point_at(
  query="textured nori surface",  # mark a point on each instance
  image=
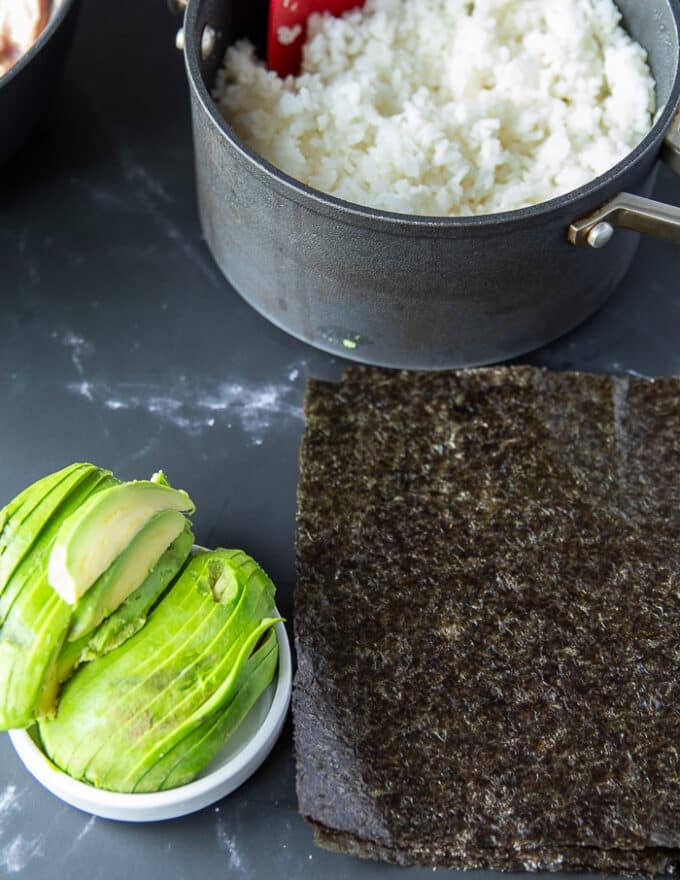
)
(488, 619)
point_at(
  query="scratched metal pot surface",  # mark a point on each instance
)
(398, 290)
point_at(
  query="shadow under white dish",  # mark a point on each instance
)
(239, 758)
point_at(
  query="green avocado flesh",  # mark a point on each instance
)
(34, 620)
(129, 617)
(189, 756)
(95, 535)
(153, 712)
(24, 518)
(136, 664)
(37, 627)
(126, 573)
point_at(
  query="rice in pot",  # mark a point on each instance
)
(448, 107)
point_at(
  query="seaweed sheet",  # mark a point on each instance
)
(488, 619)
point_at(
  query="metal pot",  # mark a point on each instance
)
(27, 86)
(421, 292)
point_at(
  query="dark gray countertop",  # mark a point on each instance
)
(122, 344)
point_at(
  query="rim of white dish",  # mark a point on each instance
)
(178, 801)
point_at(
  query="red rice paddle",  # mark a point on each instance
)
(287, 25)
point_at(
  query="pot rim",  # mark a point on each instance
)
(352, 212)
(58, 12)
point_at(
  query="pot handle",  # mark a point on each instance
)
(633, 212)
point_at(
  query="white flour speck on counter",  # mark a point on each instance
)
(228, 845)
(79, 348)
(84, 831)
(87, 827)
(298, 370)
(190, 402)
(196, 405)
(16, 851)
(8, 799)
(616, 367)
(15, 855)
(256, 406)
(9, 803)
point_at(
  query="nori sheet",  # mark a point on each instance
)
(488, 619)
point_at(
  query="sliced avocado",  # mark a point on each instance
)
(189, 756)
(19, 507)
(34, 620)
(131, 616)
(179, 722)
(160, 479)
(90, 540)
(29, 513)
(70, 658)
(119, 715)
(33, 566)
(127, 572)
(31, 640)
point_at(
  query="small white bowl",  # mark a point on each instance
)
(241, 756)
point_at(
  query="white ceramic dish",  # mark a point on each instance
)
(240, 757)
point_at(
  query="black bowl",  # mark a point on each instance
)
(26, 88)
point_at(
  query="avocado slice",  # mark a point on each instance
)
(30, 643)
(96, 534)
(127, 572)
(131, 615)
(19, 507)
(190, 755)
(34, 620)
(120, 714)
(33, 565)
(25, 517)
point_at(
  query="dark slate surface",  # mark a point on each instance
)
(121, 343)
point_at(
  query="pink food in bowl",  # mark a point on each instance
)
(21, 23)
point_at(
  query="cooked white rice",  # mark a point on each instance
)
(448, 107)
